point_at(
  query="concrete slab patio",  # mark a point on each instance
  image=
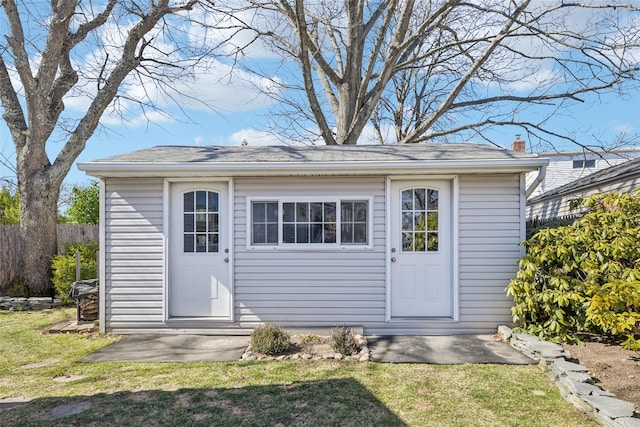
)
(445, 350)
(171, 348)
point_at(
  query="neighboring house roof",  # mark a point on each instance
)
(600, 178)
(272, 160)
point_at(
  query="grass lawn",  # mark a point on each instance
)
(260, 393)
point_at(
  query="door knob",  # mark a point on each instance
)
(393, 259)
(226, 260)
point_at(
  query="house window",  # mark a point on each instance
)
(201, 216)
(583, 164)
(344, 222)
(264, 227)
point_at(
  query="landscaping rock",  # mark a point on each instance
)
(628, 422)
(611, 407)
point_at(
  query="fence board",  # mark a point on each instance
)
(10, 246)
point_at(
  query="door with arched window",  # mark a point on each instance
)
(421, 250)
(199, 285)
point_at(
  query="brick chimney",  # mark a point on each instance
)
(518, 145)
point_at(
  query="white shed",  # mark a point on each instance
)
(400, 239)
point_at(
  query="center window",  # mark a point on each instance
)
(340, 222)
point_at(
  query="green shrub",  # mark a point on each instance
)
(343, 341)
(584, 278)
(64, 267)
(270, 339)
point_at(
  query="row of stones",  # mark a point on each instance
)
(575, 384)
(26, 304)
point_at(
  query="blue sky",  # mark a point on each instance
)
(237, 112)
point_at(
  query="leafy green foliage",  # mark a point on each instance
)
(64, 267)
(85, 204)
(9, 206)
(270, 339)
(343, 341)
(584, 277)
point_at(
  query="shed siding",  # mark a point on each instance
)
(134, 253)
(301, 287)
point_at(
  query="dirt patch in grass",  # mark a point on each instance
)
(616, 369)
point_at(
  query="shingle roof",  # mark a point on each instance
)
(620, 171)
(324, 153)
(223, 161)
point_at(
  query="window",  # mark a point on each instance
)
(420, 220)
(583, 164)
(201, 213)
(344, 222)
(264, 228)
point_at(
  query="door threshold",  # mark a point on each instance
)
(422, 319)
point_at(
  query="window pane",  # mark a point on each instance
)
(213, 223)
(407, 200)
(347, 212)
(201, 222)
(419, 194)
(330, 212)
(188, 223)
(302, 233)
(188, 243)
(316, 233)
(272, 212)
(432, 221)
(432, 204)
(201, 242)
(346, 233)
(419, 242)
(188, 201)
(272, 233)
(258, 212)
(316, 212)
(360, 211)
(213, 243)
(201, 201)
(288, 212)
(259, 234)
(289, 233)
(432, 241)
(329, 233)
(302, 212)
(407, 221)
(418, 220)
(360, 233)
(213, 201)
(407, 242)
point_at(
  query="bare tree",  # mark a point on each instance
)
(427, 70)
(82, 52)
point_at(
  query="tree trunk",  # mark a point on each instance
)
(38, 218)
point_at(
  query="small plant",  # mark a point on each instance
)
(270, 339)
(64, 267)
(309, 338)
(343, 340)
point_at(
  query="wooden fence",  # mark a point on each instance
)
(10, 246)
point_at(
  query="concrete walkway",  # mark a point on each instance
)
(445, 350)
(171, 348)
(455, 349)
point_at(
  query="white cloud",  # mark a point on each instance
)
(255, 137)
(198, 140)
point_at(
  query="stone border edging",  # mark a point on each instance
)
(363, 355)
(31, 303)
(575, 384)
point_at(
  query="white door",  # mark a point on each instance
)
(421, 249)
(199, 270)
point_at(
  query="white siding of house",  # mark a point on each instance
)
(558, 207)
(134, 253)
(311, 288)
(560, 170)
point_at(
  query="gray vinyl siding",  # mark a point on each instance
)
(134, 259)
(302, 287)
(559, 206)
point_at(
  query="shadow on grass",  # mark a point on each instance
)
(329, 402)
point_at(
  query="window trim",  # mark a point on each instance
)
(310, 246)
